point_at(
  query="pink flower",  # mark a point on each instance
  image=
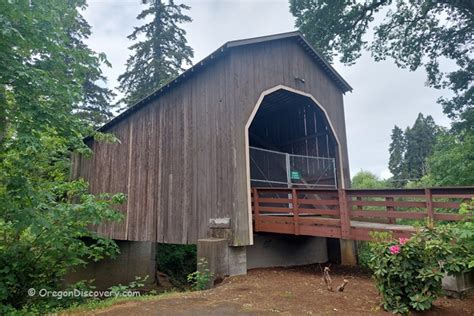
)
(394, 249)
(403, 240)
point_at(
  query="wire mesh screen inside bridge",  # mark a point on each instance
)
(270, 168)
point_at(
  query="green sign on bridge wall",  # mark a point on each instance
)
(295, 175)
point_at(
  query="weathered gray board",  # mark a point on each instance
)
(182, 157)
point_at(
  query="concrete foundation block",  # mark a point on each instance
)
(214, 250)
(222, 259)
(348, 252)
(135, 259)
(275, 250)
(460, 284)
(237, 261)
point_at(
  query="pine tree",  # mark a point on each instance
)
(397, 150)
(160, 56)
(96, 105)
(420, 141)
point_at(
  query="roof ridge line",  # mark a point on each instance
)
(327, 67)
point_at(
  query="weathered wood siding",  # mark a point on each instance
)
(181, 159)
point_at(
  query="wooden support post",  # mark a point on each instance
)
(429, 206)
(348, 252)
(344, 215)
(256, 209)
(348, 246)
(390, 209)
(295, 211)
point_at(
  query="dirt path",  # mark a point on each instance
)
(293, 291)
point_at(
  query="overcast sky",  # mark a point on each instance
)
(383, 94)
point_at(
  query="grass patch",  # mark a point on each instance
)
(101, 304)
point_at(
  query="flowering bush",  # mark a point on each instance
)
(408, 272)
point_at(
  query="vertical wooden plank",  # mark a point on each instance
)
(256, 209)
(390, 209)
(296, 214)
(185, 170)
(344, 215)
(429, 206)
(159, 174)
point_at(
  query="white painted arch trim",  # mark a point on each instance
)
(247, 151)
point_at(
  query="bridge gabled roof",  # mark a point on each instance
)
(316, 57)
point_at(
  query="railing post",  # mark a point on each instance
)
(344, 215)
(256, 209)
(288, 170)
(390, 209)
(429, 206)
(295, 211)
(347, 243)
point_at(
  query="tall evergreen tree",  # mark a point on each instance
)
(397, 150)
(96, 105)
(420, 141)
(161, 55)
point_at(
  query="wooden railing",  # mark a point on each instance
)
(353, 213)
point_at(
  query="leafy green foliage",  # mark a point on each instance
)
(44, 215)
(40, 245)
(408, 273)
(96, 105)
(201, 278)
(363, 254)
(176, 261)
(367, 180)
(465, 229)
(452, 161)
(413, 33)
(120, 289)
(160, 56)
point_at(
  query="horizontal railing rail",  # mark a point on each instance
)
(353, 213)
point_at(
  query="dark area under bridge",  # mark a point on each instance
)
(353, 213)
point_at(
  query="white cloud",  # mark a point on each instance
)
(385, 174)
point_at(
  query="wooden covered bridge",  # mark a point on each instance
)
(250, 140)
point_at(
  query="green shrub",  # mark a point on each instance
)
(408, 272)
(465, 229)
(200, 279)
(40, 244)
(363, 254)
(120, 289)
(176, 261)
